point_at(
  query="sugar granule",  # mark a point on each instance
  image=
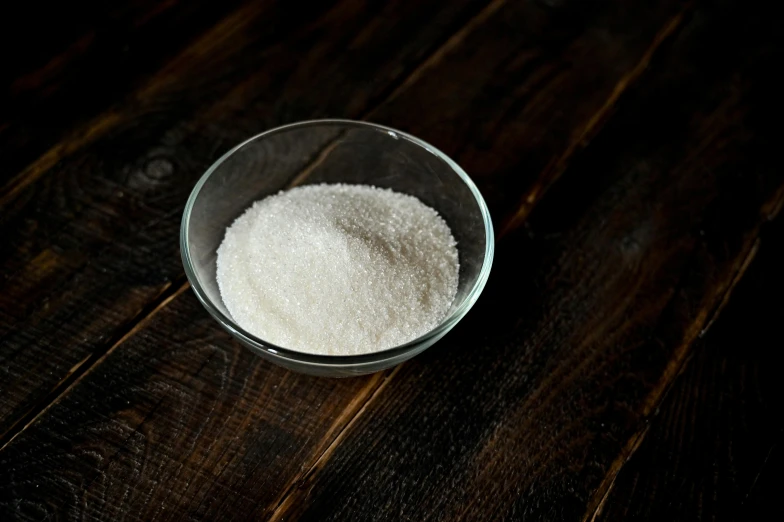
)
(338, 269)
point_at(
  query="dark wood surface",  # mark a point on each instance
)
(713, 450)
(67, 229)
(628, 154)
(92, 241)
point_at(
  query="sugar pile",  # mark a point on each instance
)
(338, 269)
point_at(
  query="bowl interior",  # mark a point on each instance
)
(331, 151)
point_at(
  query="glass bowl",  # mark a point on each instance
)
(334, 151)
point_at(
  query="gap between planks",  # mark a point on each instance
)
(106, 122)
(680, 360)
(674, 368)
(370, 393)
(525, 207)
(86, 365)
(555, 168)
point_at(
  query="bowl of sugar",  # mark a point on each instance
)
(336, 247)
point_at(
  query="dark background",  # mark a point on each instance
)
(619, 365)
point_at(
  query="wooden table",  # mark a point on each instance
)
(619, 365)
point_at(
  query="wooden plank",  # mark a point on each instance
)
(528, 89)
(704, 453)
(527, 413)
(95, 272)
(72, 60)
(89, 244)
(325, 427)
(252, 53)
(202, 429)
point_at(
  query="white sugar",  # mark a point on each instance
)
(338, 269)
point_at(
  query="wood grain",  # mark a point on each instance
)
(712, 446)
(107, 270)
(92, 241)
(523, 410)
(201, 429)
(72, 61)
(527, 89)
(578, 30)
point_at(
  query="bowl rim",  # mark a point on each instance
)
(338, 360)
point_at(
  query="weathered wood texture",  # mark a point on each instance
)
(180, 423)
(548, 77)
(710, 454)
(594, 43)
(90, 242)
(64, 62)
(529, 409)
